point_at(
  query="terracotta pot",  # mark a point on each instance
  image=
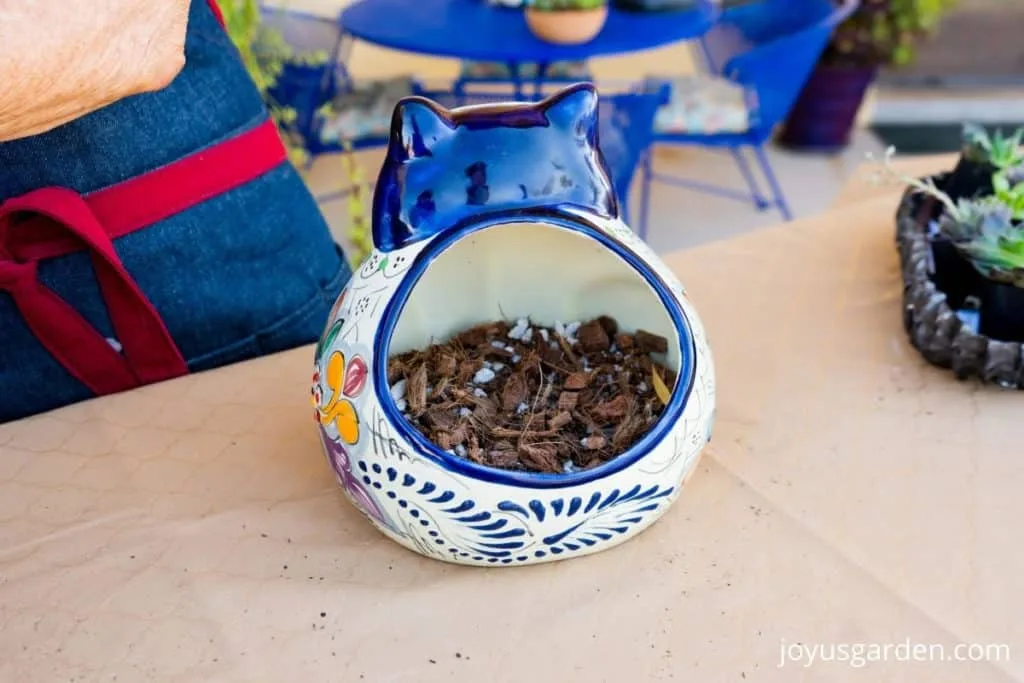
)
(566, 27)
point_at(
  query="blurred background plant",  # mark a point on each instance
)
(877, 34)
(565, 5)
(266, 55)
(359, 230)
(884, 32)
(988, 230)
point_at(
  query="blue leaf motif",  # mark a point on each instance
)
(443, 524)
(604, 515)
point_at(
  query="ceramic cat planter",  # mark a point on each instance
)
(499, 212)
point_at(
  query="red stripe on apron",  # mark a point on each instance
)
(216, 11)
(55, 221)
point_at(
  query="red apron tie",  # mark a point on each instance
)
(149, 353)
(52, 222)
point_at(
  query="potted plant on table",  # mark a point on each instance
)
(878, 34)
(566, 22)
(964, 259)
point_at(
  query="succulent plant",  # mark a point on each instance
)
(974, 217)
(988, 231)
(990, 235)
(1015, 174)
(1009, 193)
(565, 5)
(998, 253)
(999, 151)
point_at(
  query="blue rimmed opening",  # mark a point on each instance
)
(556, 217)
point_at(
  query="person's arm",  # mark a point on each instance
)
(62, 59)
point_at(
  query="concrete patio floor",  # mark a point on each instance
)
(679, 218)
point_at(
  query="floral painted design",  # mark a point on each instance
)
(357, 492)
(331, 332)
(338, 380)
(344, 381)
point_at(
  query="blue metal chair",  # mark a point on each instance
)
(757, 59)
(517, 76)
(301, 86)
(306, 87)
(625, 128)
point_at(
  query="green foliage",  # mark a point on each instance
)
(247, 32)
(884, 32)
(266, 53)
(1010, 195)
(988, 231)
(359, 230)
(566, 5)
(1001, 152)
(993, 238)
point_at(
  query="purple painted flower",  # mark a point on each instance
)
(342, 465)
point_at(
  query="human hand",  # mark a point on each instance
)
(62, 59)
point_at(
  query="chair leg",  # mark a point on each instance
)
(645, 191)
(773, 183)
(748, 176)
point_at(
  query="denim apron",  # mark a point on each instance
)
(162, 235)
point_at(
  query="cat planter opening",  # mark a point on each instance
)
(487, 213)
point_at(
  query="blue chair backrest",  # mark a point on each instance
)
(771, 47)
(305, 85)
(625, 132)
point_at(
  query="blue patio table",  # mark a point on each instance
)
(476, 30)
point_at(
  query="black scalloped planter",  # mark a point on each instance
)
(954, 275)
(968, 179)
(931, 298)
(1002, 311)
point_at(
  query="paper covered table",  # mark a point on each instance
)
(854, 501)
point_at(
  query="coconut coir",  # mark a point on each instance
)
(519, 396)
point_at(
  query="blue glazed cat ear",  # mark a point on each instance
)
(444, 168)
(574, 109)
(416, 126)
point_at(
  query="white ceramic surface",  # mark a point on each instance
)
(502, 270)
